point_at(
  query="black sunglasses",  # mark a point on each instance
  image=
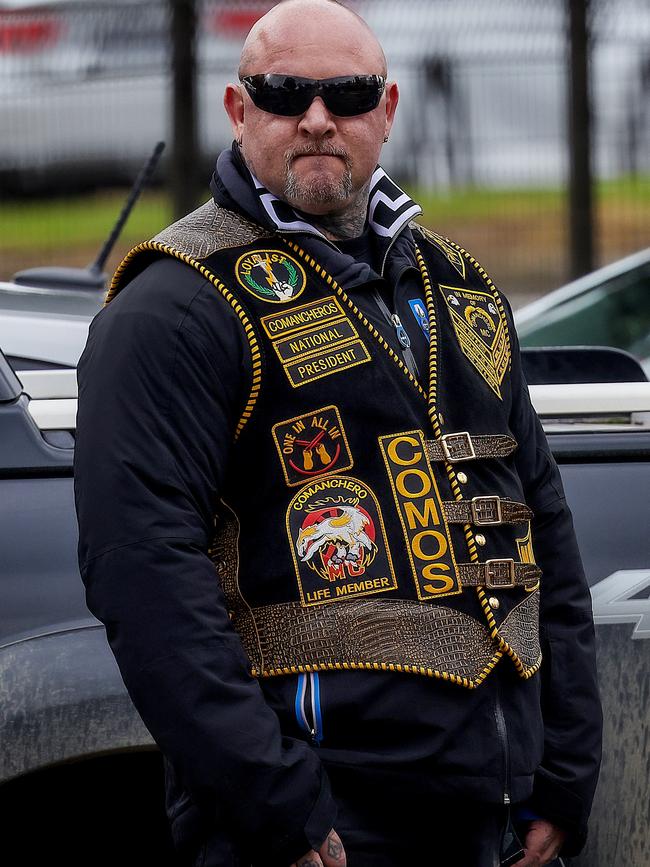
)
(290, 95)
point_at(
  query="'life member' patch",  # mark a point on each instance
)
(313, 444)
(481, 332)
(271, 275)
(338, 542)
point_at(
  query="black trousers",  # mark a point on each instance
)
(389, 826)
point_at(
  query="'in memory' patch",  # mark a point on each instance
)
(338, 541)
(312, 444)
(481, 332)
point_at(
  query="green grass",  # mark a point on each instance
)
(79, 220)
(475, 203)
(86, 220)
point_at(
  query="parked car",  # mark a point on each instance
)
(78, 768)
(610, 307)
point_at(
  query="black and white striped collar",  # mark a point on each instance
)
(389, 208)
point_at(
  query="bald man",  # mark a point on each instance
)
(318, 514)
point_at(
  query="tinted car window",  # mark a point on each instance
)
(617, 313)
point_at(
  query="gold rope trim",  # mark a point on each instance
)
(504, 647)
(485, 277)
(382, 666)
(253, 345)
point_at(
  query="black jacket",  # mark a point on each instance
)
(163, 380)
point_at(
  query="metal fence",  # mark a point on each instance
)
(482, 133)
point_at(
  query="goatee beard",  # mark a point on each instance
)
(319, 191)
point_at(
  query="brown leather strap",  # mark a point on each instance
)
(462, 446)
(498, 574)
(486, 511)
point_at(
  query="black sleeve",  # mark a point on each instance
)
(566, 780)
(161, 383)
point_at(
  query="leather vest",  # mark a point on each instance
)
(368, 521)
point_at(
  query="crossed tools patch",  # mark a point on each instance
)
(313, 444)
(338, 541)
(271, 275)
(481, 332)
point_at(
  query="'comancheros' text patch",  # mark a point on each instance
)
(338, 541)
(315, 340)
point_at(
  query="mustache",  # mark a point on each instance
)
(313, 150)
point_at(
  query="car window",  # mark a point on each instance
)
(616, 313)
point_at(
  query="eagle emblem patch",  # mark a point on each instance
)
(271, 275)
(481, 332)
(338, 542)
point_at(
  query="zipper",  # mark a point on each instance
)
(307, 707)
(502, 733)
(402, 337)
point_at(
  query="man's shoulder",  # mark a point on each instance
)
(207, 230)
(456, 260)
(174, 257)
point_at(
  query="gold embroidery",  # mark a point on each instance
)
(480, 331)
(312, 444)
(422, 515)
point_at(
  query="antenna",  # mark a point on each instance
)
(140, 182)
(92, 277)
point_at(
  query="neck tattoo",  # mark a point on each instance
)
(348, 223)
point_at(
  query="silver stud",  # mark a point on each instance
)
(480, 539)
(462, 477)
(494, 602)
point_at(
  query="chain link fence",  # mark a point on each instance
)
(481, 135)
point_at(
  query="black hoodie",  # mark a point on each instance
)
(253, 755)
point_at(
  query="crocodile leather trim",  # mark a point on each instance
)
(511, 512)
(521, 630)
(210, 228)
(493, 446)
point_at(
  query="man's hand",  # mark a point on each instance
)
(543, 843)
(330, 854)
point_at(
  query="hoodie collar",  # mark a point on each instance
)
(234, 186)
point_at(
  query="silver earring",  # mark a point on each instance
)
(385, 139)
(239, 140)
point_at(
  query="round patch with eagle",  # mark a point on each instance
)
(338, 541)
(271, 275)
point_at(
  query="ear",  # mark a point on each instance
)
(233, 102)
(392, 98)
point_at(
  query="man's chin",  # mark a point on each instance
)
(318, 196)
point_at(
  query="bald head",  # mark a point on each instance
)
(327, 23)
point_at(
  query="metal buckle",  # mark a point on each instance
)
(486, 511)
(500, 574)
(458, 447)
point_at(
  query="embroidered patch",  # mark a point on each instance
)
(315, 340)
(452, 255)
(421, 513)
(481, 332)
(271, 275)
(419, 310)
(338, 542)
(313, 444)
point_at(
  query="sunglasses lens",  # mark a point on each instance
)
(289, 95)
(354, 96)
